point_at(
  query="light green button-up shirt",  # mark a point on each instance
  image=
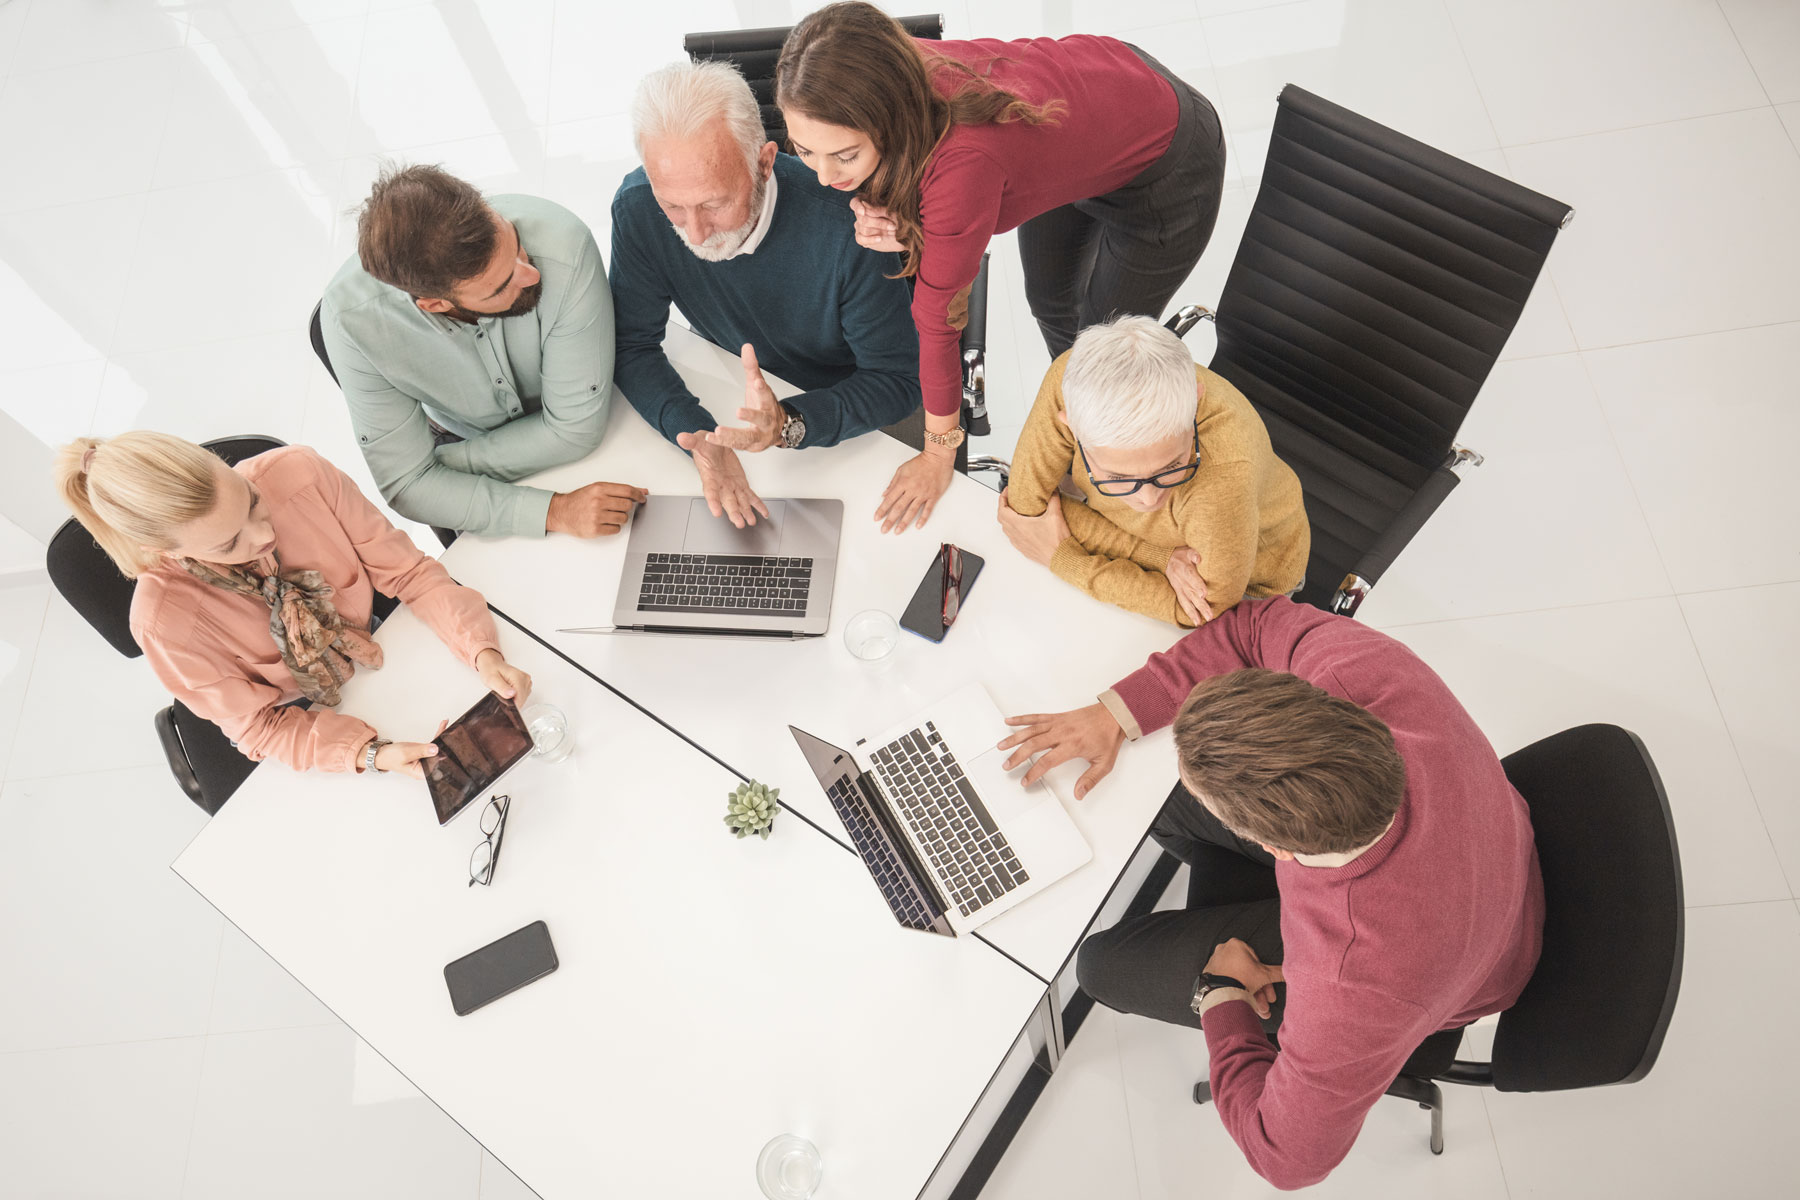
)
(525, 392)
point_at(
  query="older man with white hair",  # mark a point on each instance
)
(1182, 508)
(762, 260)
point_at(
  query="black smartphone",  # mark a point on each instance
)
(521, 957)
(941, 594)
(474, 751)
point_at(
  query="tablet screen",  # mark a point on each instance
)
(473, 752)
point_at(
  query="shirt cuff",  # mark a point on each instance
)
(1156, 558)
(1065, 563)
(1121, 714)
(478, 647)
(531, 512)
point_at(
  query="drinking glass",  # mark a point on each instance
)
(549, 731)
(789, 1168)
(870, 635)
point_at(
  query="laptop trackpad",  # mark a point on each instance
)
(707, 534)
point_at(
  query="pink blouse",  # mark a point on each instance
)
(212, 649)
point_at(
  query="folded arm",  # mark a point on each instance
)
(396, 442)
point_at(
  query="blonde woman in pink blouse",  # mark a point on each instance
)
(255, 585)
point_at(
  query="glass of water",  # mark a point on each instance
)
(870, 635)
(549, 731)
(789, 1168)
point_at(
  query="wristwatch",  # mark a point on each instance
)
(793, 429)
(949, 441)
(1206, 984)
(375, 745)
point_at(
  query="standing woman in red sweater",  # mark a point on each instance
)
(1109, 166)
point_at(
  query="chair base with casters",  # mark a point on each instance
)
(1613, 931)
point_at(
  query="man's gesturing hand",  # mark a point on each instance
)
(596, 510)
(722, 480)
(1089, 734)
(761, 410)
(1237, 960)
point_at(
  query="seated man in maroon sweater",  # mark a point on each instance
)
(1365, 876)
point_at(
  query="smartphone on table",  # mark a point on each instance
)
(941, 594)
(498, 968)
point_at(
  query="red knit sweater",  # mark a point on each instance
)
(1440, 922)
(985, 179)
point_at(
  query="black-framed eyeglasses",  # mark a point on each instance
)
(1173, 477)
(493, 828)
(953, 569)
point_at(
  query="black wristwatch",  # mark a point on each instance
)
(1206, 984)
(793, 428)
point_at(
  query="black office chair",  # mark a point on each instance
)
(202, 759)
(1599, 1003)
(755, 52)
(316, 333)
(1376, 284)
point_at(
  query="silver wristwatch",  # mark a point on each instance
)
(375, 745)
(793, 430)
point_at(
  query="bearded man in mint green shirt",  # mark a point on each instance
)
(473, 339)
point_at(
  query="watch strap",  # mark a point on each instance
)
(375, 745)
(793, 427)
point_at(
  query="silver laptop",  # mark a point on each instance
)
(687, 571)
(951, 838)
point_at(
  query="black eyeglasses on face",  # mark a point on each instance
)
(1172, 477)
(487, 854)
(953, 567)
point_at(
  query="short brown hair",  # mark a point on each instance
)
(1288, 764)
(424, 231)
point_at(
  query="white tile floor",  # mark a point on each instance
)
(178, 175)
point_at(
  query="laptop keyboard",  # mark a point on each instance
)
(745, 585)
(928, 791)
(883, 860)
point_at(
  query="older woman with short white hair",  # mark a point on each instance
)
(1180, 507)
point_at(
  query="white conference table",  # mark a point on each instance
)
(712, 992)
(1036, 643)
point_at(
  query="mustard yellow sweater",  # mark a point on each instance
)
(1241, 512)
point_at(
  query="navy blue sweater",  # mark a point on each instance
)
(817, 307)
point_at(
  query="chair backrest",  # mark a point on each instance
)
(316, 331)
(89, 581)
(756, 51)
(1600, 1001)
(1377, 281)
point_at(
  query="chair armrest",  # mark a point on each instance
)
(1406, 524)
(1189, 317)
(1475, 1074)
(176, 753)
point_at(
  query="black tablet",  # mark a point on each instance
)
(474, 751)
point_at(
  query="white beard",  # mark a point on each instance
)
(721, 246)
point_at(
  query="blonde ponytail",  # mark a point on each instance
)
(135, 492)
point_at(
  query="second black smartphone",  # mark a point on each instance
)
(519, 958)
(952, 573)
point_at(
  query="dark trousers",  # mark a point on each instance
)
(1127, 252)
(1148, 965)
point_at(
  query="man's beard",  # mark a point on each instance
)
(721, 246)
(528, 300)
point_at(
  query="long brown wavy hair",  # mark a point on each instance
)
(852, 65)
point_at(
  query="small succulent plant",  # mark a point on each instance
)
(751, 808)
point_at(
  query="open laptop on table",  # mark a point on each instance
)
(687, 571)
(951, 839)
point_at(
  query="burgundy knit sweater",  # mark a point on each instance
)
(1440, 922)
(1119, 116)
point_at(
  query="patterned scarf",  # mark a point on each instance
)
(316, 645)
